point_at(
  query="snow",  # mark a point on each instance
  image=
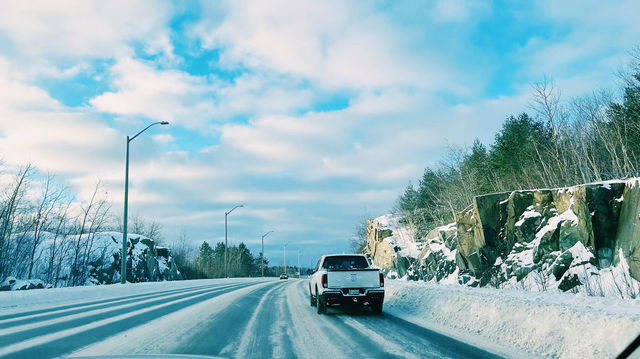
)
(451, 279)
(529, 213)
(402, 237)
(20, 284)
(540, 324)
(164, 334)
(552, 225)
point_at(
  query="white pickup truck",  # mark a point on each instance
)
(346, 279)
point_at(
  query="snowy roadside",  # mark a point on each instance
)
(19, 301)
(543, 324)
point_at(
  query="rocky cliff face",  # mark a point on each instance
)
(585, 237)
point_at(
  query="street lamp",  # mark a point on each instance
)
(285, 258)
(226, 246)
(262, 253)
(123, 267)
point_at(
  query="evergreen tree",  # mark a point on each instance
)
(205, 258)
(517, 148)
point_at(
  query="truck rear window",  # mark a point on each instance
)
(345, 262)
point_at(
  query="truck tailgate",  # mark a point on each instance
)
(353, 279)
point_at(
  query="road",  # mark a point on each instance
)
(236, 319)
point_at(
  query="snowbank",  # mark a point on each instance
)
(543, 324)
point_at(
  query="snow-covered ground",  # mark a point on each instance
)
(544, 324)
(512, 323)
(236, 318)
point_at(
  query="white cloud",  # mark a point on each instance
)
(168, 95)
(96, 28)
(587, 54)
(37, 129)
(332, 43)
(163, 138)
(194, 102)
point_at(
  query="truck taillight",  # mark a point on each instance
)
(381, 280)
(324, 281)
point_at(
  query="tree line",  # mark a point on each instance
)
(555, 143)
(241, 262)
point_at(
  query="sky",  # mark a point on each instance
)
(312, 114)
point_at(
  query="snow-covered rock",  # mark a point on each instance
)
(584, 238)
(98, 262)
(391, 245)
(11, 283)
(145, 261)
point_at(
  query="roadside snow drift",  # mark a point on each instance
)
(544, 324)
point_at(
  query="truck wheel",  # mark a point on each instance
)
(322, 307)
(376, 308)
(313, 300)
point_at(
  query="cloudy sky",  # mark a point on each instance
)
(311, 114)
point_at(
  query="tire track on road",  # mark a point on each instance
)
(81, 308)
(26, 331)
(417, 338)
(58, 309)
(255, 341)
(222, 333)
(59, 343)
(321, 336)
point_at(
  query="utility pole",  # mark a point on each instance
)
(262, 253)
(226, 244)
(123, 265)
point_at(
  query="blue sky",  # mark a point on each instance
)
(311, 114)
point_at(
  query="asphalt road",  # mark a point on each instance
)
(236, 319)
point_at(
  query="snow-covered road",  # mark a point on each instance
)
(228, 318)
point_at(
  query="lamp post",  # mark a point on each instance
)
(285, 258)
(123, 267)
(262, 253)
(226, 245)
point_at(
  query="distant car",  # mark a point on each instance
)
(284, 276)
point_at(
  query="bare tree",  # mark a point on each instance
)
(8, 217)
(90, 212)
(48, 202)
